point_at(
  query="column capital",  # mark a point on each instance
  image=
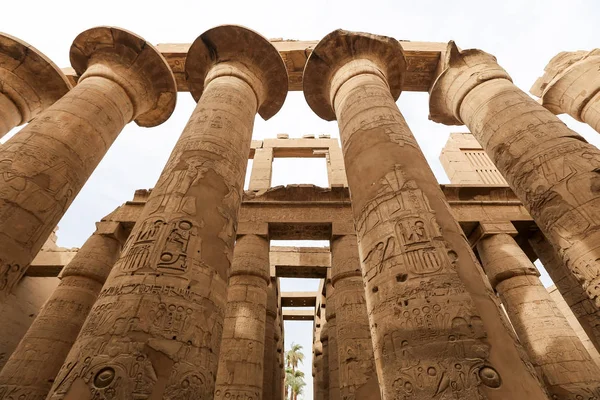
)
(571, 79)
(231, 50)
(28, 78)
(485, 229)
(134, 64)
(462, 72)
(351, 54)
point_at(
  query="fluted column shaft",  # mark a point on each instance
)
(355, 348)
(240, 372)
(45, 165)
(433, 315)
(553, 346)
(584, 309)
(162, 309)
(551, 169)
(31, 369)
(334, 366)
(271, 359)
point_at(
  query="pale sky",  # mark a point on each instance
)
(523, 34)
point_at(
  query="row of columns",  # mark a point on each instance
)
(436, 325)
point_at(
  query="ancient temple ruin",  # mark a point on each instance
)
(427, 291)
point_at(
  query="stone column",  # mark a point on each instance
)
(240, 372)
(550, 168)
(571, 85)
(271, 359)
(334, 367)
(279, 375)
(318, 386)
(262, 169)
(45, 165)
(355, 348)
(29, 83)
(30, 370)
(436, 325)
(156, 331)
(553, 346)
(584, 309)
(325, 358)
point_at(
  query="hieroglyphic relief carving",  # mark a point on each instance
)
(165, 299)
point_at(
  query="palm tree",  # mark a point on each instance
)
(294, 356)
(295, 382)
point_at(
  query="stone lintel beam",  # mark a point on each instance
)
(571, 85)
(422, 62)
(45, 165)
(299, 299)
(485, 229)
(29, 82)
(298, 315)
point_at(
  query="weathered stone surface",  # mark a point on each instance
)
(413, 273)
(270, 359)
(355, 349)
(571, 85)
(47, 163)
(584, 309)
(29, 83)
(332, 345)
(550, 168)
(161, 311)
(324, 337)
(240, 372)
(30, 370)
(553, 346)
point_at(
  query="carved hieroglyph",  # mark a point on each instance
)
(436, 326)
(584, 309)
(155, 331)
(333, 362)
(270, 359)
(30, 370)
(552, 169)
(553, 346)
(45, 165)
(571, 85)
(240, 372)
(355, 348)
(29, 83)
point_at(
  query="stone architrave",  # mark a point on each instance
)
(334, 366)
(240, 372)
(553, 346)
(571, 85)
(355, 348)
(584, 309)
(270, 358)
(30, 370)
(29, 83)
(45, 165)
(436, 325)
(550, 168)
(155, 331)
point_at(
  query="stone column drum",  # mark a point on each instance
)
(318, 385)
(45, 165)
(240, 372)
(553, 346)
(571, 85)
(280, 366)
(584, 309)
(270, 359)
(155, 331)
(334, 366)
(29, 83)
(551, 169)
(30, 370)
(325, 358)
(436, 325)
(355, 348)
